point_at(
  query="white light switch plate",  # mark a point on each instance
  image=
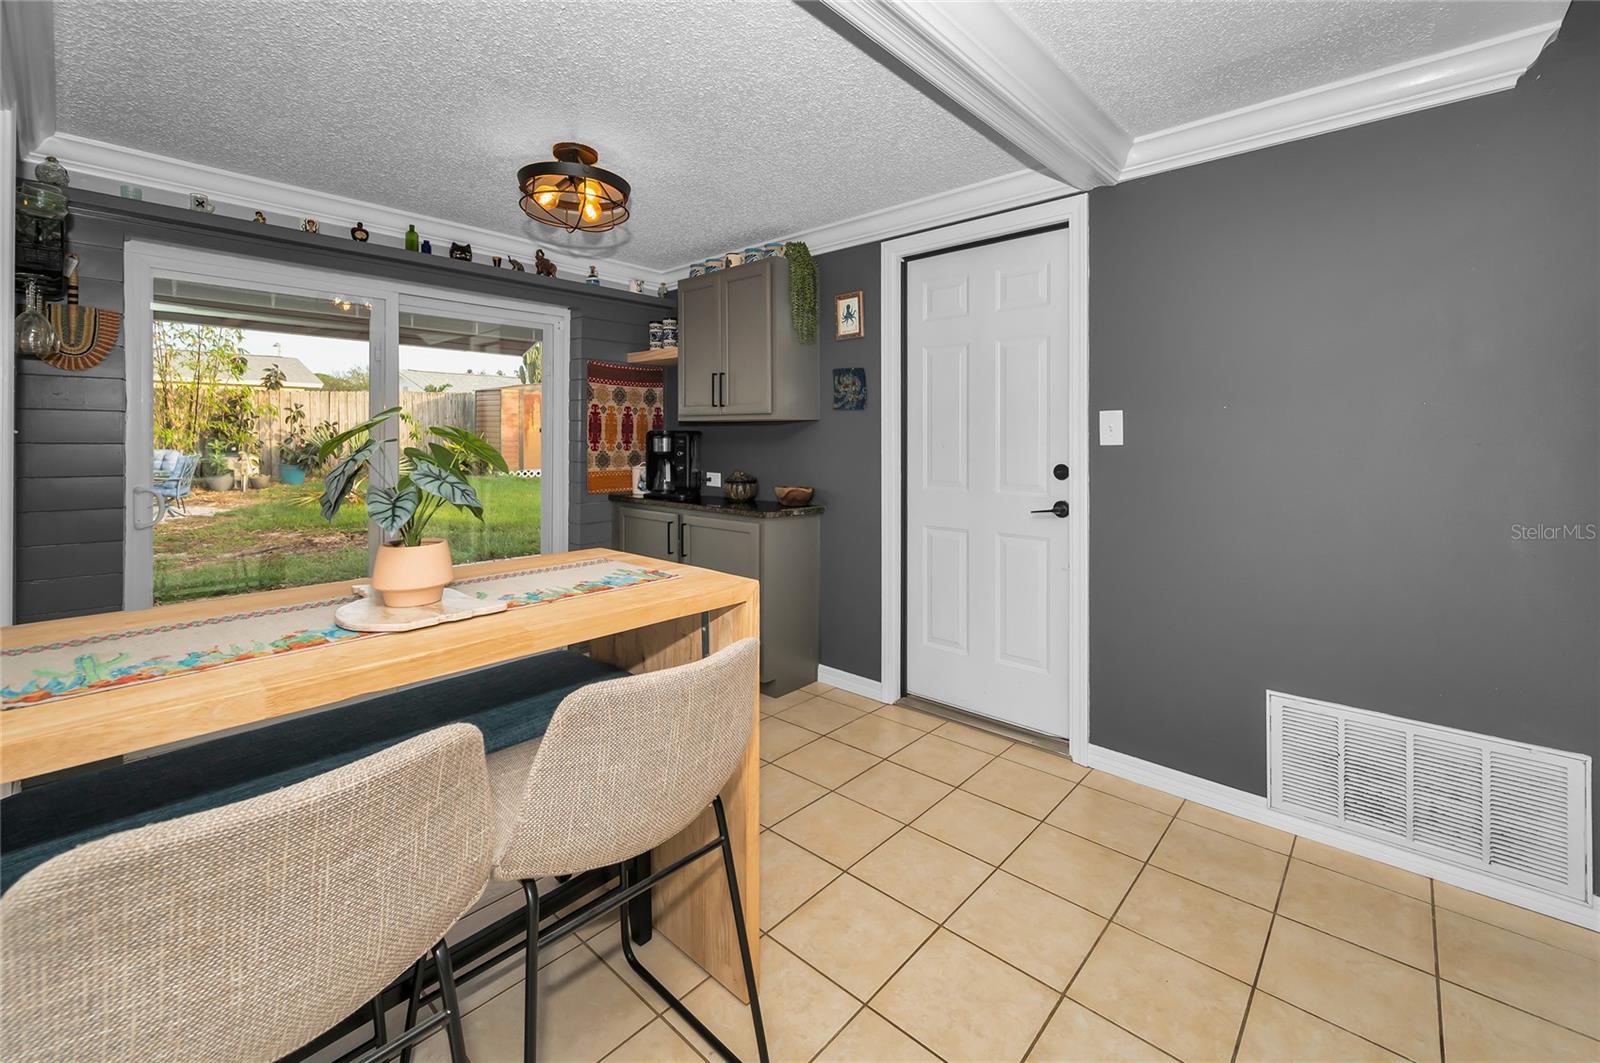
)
(1111, 428)
(713, 479)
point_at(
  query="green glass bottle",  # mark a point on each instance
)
(413, 241)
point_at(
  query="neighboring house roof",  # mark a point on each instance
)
(296, 375)
(421, 380)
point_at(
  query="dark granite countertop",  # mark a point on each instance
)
(760, 508)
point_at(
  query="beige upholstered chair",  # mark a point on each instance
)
(243, 932)
(625, 765)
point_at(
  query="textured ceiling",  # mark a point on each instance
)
(735, 123)
(1154, 65)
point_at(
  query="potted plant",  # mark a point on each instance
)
(410, 569)
(216, 467)
(297, 454)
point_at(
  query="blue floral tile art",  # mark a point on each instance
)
(849, 389)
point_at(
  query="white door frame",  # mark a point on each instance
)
(144, 260)
(1074, 213)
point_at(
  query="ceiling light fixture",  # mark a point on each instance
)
(572, 193)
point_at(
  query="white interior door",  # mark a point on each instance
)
(987, 425)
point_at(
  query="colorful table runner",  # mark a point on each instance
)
(33, 674)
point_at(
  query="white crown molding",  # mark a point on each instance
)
(28, 71)
(1020, 188)
(980, 57)
(113, 165)
(1458, 74)
(1254, 807)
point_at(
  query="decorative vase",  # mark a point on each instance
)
(36, 337)
(409, 576)
(413, 240)
(291, 474)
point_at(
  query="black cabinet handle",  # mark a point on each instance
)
(683, 542)
(669, 538)
(1059, 509)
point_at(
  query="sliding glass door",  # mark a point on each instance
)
(239, 369)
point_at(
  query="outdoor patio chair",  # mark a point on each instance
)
(174, 477)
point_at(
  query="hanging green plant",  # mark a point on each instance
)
(802, 290)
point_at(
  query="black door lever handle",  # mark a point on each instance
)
(1059, 509)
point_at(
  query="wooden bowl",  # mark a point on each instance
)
(793, 496)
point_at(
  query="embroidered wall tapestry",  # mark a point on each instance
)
(622, 403)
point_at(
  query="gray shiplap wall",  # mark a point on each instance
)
(604, 338)
(70, 426)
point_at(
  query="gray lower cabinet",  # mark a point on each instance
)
(784, 553)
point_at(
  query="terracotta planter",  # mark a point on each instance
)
(409, 576)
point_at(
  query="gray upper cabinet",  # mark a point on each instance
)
(738, 358)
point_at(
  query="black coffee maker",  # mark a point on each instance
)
(672, 466)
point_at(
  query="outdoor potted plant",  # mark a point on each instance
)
(297, 455)
(216, 467)
(410, 569)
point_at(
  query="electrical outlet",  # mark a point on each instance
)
(713, 479)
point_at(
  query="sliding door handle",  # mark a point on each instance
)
(155, 509)
(1060, 509)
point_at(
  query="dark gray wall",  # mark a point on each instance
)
(839, 455)
(1351, 366)
(70, 491)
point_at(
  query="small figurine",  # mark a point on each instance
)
(201, 202)
(308, 225)
(518, 266)
(661, 292)
(51, 172)
(494, 260)
(593, 277)
(461, 252)
(427, 247)
(636, 285)
(412, 239)
(542, 265)
(359, 234)
(260, 218)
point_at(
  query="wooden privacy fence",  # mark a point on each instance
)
(508, 418)
(348, 409)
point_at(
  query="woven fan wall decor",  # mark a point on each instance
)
(87, 334)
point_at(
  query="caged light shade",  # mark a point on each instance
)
(572, 193)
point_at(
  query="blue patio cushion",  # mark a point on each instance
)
(510, 703)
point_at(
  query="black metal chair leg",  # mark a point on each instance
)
(530, 977)
(739, 927)
(744, 948)
(380, 1025)
(412, 1005)
(452, 1003)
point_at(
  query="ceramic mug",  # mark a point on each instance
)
(734, 258)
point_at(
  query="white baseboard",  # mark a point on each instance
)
(855, 684)
(1254, 807)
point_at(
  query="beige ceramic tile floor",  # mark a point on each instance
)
(931, 891)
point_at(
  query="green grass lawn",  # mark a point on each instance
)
(277, 538)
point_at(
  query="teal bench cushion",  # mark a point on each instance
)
(510, 703)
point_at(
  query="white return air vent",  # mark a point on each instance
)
(1517, 812)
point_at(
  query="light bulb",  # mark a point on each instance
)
(546, 196)
(591, 201)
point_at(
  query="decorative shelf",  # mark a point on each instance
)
(658, 356)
